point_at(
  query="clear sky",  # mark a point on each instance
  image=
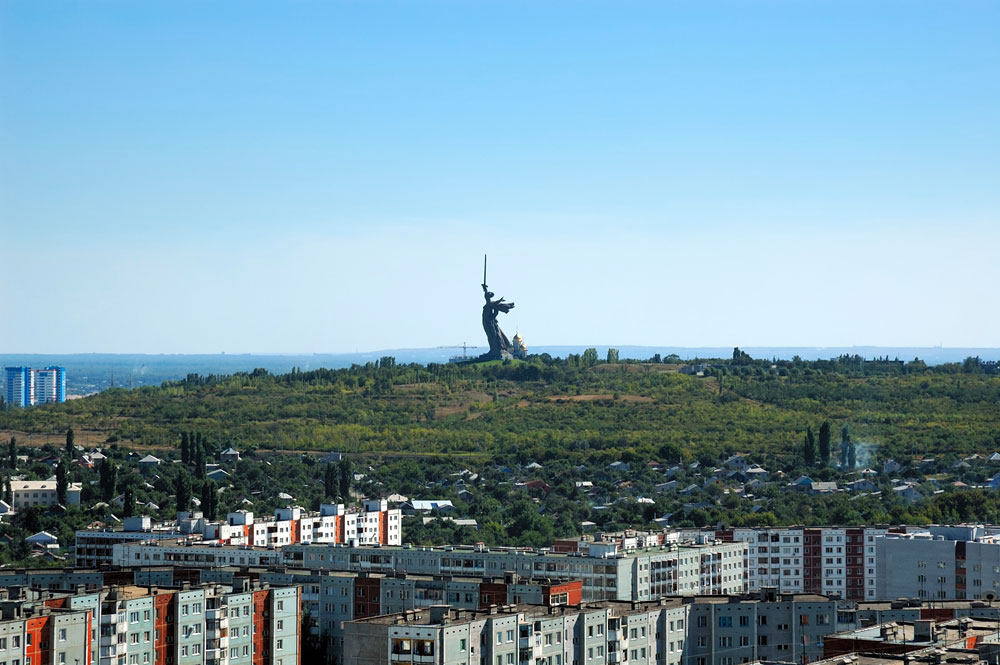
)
(326, 176)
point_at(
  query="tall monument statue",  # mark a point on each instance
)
(500, 347)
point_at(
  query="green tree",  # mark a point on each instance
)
(70, 443)
(12, 453)
(344, 466)
(590, 357)
(209, 499)
(182, 490)
(824, 443)
(185, 448)
(330, 485)
(128, 502)
(845, 447)
(108, 480)
(612, 355)
(199, 461)
(61, 482)
(8, 493)
(809, 448)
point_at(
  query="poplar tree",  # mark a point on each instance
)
(61, 482)
(182, 491)
(809, 448)
(824, 443)
(345, 479)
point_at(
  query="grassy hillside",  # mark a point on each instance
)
(541, 410)
(470, 433)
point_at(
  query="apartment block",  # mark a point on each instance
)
(27, 493)
(242, 624)
(695, 631)
(929, 567)
(606, 573)
(19, 386)
(27, 387)
(374, 524)
(826, 560)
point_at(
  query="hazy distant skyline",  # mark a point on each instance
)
(186, 177)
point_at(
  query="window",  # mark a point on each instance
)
(461, 645)
(725, 622)
(62, 636)
(281, 645)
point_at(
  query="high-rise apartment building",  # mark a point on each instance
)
(50, 385)
(20, 386)
(27, 387)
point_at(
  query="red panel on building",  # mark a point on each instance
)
(34, 630)
(261, 647)
(812, 568)
(573, 591)
(367, 597)
(165, 626)
(565, 546)
(492, 593)
(937, 614)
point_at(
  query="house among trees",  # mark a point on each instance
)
(149, 462)
(736, 463)
(891, 466)
(217, 475)
(229, 456)
(426, 506)
(43, 539)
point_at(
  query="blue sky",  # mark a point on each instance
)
(325, 176)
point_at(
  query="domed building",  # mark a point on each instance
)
(518, 347)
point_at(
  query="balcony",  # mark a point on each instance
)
(218, 614)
